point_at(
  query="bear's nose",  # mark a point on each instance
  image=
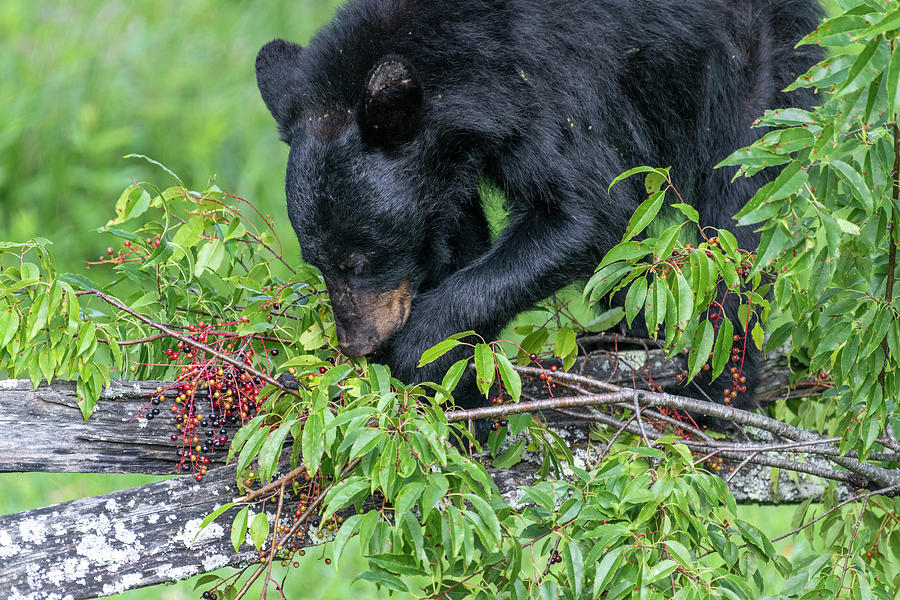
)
(358, 347)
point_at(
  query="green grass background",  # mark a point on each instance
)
(84, 83)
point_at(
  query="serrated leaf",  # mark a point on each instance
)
(605, 570)
(9, 326)
(344, 492)
(644, 214)
(259, 529)
(210, 257)
(722, 349)
(239, 528)
(366, 441)
(454, 373)
(270, 451)
(663, 569)
(701, 346)
(37, 317)
(510, 377)
(681, 554)
(213, 516)
(344, 534)
(634, 300)
(574, 566)
(630, 172)
(487, 515)
(312, 442)
(437, 351)
(484, 367)
(511, 456)
(856, 181)
(407, 497)
(688, 211)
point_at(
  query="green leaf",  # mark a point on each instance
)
(659, 571)
(434, 491)
(366, 441)
(605, 569)
(565, 342)
(407, 497)
(250, 449)
(605, 279)
(701, 346)
(239, 528)
(722, 349)
(437, 351)
(37, 316)
(685, 300)
(392, 582)
(344, 492)
(454, 373)
(487, 515)
(484, 367)
(188, 234)
(210, 257)
(893, 90)
(510, 377)
(213, 516)
(510, 456)
(313, 442)
(132, 203)
(634, 171)
(688, 211)
(270, 451)
(634, 300)
(9, 326)
(856, 181)
(681, 554)
(259, 529)
(574, 566)
(644, 214)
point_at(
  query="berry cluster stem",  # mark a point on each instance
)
(188, 341)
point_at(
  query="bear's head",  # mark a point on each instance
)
(367, 209)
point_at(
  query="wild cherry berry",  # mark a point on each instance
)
(323, 370)
(532, 356)
(553, 368)
(274, 351)
(109, 251)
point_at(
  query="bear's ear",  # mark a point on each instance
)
(278, 79)
(392, 101)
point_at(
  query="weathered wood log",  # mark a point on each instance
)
(143, 536)
(42, 430)
(108, 544)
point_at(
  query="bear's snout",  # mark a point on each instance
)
(365, 319)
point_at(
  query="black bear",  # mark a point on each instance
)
(398, 108)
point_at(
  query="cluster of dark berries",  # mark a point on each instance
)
(555, 557)
(210, 595)
(209, 399)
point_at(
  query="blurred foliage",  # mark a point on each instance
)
(82, 84)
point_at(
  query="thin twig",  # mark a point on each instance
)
(637, 413)
(271, 486)
(885, 490)
(271, 556)
(862, 511)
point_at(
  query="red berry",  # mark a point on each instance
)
(109, 251)
(323, 370)
(553, 368)
(532, 356)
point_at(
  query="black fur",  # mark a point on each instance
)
(397, 108)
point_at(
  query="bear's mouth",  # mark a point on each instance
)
(366, 319)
